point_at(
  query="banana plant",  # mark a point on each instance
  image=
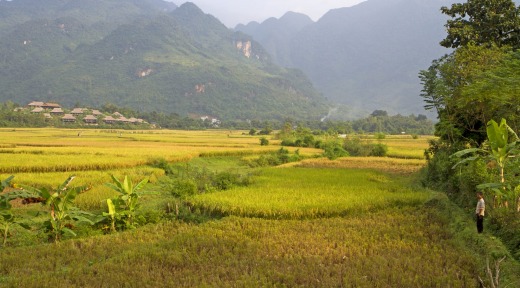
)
(7, 218)
(126, 204)
(62, 212)
(503, 147)
(111, 215)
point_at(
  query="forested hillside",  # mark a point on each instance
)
(366, 56)
(145, 56)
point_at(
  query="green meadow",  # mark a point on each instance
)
(349, 222)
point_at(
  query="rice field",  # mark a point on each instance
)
(350, 222)
(306, 193)
(48, 156)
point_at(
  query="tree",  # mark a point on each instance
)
(482, 22)
(462, 116)
(378, 113)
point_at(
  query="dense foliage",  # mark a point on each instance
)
(472, 89)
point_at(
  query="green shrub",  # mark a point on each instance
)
(380, 136)
(378, 150)
(506, 224)
(181, 187)
(333, 150)
(161, 163)
(264, 141)
(225, 180)
(356, 147)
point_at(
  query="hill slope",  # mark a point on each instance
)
(182, 61)
(367, 56)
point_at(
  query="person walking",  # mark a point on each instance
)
(479, 212)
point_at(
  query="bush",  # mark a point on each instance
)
(378, 150)
(380, 136)
(225, 180)
(333, 150)
(288, 142)
(264, 141)
(279, 157)
(505, 224)
(181, 188)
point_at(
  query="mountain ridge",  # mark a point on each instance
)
(367, 56)
(182, 61)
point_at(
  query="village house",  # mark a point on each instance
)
(109, 120)
(96, 113)
(51, 106)
(68, 118)
(35, 104)
(37, 110)
(90, 119)
(57, 111)
(77, 111)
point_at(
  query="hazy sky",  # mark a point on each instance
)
(233, 12)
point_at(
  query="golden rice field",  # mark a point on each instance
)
(60, 150)
(350, 222)
(404, 146)
(48, 156)
(306, 193)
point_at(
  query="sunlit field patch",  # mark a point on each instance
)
(310, 193)
(405, 146)
(391, 165)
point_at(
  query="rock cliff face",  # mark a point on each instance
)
(245, 47)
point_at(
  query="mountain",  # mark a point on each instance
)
(273, 34)
(147, 57)
(367, 56)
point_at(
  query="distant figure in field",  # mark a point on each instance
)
(479, 212)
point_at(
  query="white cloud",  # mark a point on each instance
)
(233, 12)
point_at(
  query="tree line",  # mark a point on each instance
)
(377, 122)
(472, 89)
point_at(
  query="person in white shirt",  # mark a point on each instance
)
(479, 212)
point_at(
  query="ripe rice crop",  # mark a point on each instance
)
(390, 165)
(406, 247)
(301, 193)
(399, 146)
(61, 150)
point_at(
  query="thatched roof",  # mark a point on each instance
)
(77, 111)
(68, 117)
(35, 104)
(90, 119)
(51, 105)
(109, 119)
(57, 110)
(37, 110)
